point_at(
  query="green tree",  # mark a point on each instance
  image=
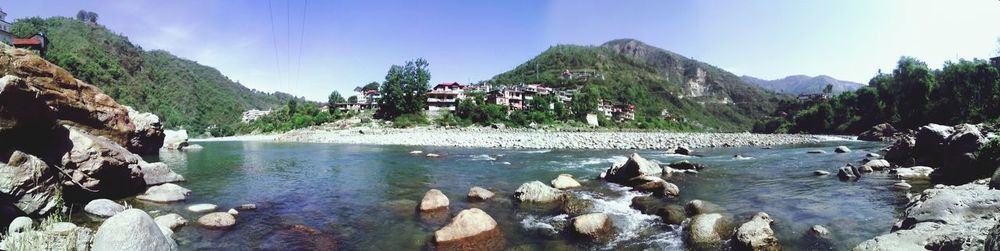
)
(916, 84)
(292, 107)
(585, 101)
(828, 89)
(405, 89)
(333, 99)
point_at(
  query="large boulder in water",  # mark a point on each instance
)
(593, 226)
(99, 168)
(28, 183)
(564, 181)
(536, 191)
(756, 235)
(880, 132)
(635, 166)
(131, 229)
(103, 207)
(175, 140)
(656, 185)
(73, 102)
(434, 200)
(948, 218)
(147, 138)
(158, 173)
(471, 229)
(707, 231)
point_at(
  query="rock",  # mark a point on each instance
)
(816, 151)
(565, 181)
(73, 102)
(707, 231)
(20, 225)
(217, 220)
(818, 238)
(671, 214)
(471, 229)
(686, 165)
(168, 192)
(103, 207)
(202, 208)
(536, 191)
(433, 155)
(594, 226)
(842, 149)
(879, 164)
(880, 132)
(247, 207)
(175, 140)
(995, 180)
(635, 166)
(100, 168)
(158, 173)
(873, 155)
(576, 206)
(866, 169)
(901, 152)
(696, 207)
(679, 150)
(433, 200)
(147, 138)
(233, 212)
(657, 185)
(171, 221)
(993, 239)
(947, 218)
(756, 234)
(131, 229)
(820, 173)
(28, 183)
(480, 194)
(416, 152)
(849, 172)
(901, 185)
(966, 138)
(916, 172)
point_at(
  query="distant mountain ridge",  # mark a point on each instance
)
(656, 80)
(802, 84)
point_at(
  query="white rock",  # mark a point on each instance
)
(103, 207)
(470, 228)
(536, 191)
(171, 221)
(480, 194)
(433, 200)
(565, 181)
(217, 220)
(129, 230)
(202, 208)
(168, 192)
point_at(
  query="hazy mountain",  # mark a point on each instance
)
(802, 84)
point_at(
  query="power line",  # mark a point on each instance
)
(277, 58)
(288, 45)
(302, 36)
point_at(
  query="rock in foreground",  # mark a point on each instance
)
(948, 218)
(594, 226)
(565, 181)
(756, 235)
(217, 220)
(471, 229)
(536, 191)
(103, 207)
(707, 231)
(129, 230)
(434, 200)
(28, 183)
(168, 192)
(479, 194)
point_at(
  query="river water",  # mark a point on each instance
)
(362, 197)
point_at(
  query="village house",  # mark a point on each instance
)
(368, 100)
(443, 96)
(37, 43)
(511, 97)
(620, 112)
(251, 115)
(5, 34)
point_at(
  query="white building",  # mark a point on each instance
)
(443, 96)
(5, 34)
(251, 115)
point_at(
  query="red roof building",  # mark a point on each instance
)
(37, 42)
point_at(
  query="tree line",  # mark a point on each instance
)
(912, 95)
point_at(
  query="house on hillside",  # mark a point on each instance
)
(443, 96)
(512, 98)
(5, 35)
(368, 99)
(620, 112)
(251, 115)
(38, 43)
(813, 97)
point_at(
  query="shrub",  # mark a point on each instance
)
(409, 120)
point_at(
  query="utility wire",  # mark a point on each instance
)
(288, 36)
(277, 58)
(302, 36)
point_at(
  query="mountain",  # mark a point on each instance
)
(802, 84)
(182, 92)
(654, 79)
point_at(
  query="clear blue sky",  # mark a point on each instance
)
(350, 43)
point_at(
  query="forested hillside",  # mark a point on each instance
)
(655, 80)
(182, 92)
(802, 84)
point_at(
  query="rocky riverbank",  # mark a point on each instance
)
(539, 138)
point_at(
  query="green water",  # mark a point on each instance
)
(362, 197)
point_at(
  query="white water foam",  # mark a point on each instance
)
(628, 221)
(537, 151)
(482, 157)
(578, 163)
(544, 223)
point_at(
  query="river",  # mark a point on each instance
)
(362, 197)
